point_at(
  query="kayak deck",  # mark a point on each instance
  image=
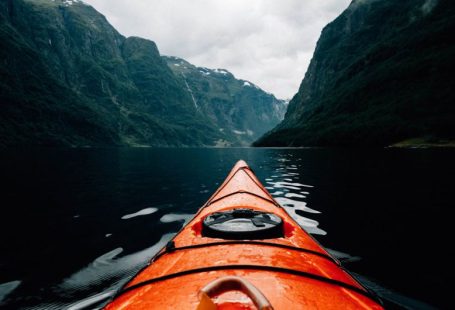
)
(292, 271)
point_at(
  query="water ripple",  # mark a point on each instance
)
(173, 217)
(7, 288)
(108, 268)
(287, 188)
(299, 205)
(293, 195)
(142, 212)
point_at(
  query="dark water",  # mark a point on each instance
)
(75, 223)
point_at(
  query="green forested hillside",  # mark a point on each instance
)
(381, 73)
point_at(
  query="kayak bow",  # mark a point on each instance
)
(243, 251)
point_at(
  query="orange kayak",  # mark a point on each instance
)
(243, 251)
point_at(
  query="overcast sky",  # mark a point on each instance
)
(268, 42)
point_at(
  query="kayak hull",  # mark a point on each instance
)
(292, 271)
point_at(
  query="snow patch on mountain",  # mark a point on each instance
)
(69, 2)
(221, 71)
(238, 132)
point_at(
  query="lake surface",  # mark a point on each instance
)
(76, 223)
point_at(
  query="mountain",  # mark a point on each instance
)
(68, 78)
(240, 109)
(382, 72)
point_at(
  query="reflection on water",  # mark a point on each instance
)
(172, 217)
(284, 185)
(142, 212)
(106, 268)
(344, 257)
(7, 288)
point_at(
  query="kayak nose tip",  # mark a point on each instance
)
(241, 163)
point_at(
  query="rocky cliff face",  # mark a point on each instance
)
(69, 78)
(381, 73)
(241, 110)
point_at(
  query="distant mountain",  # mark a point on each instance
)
(240, 109)
(68, 78)
(382, 72)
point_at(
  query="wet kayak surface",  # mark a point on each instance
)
(76, 223)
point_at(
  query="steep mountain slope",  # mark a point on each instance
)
(241, 110)
(382, 72)
(69, 78)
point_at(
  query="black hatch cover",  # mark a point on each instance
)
(242, 224)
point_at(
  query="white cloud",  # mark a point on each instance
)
(268, 42)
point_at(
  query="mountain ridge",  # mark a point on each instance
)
(380, 74)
